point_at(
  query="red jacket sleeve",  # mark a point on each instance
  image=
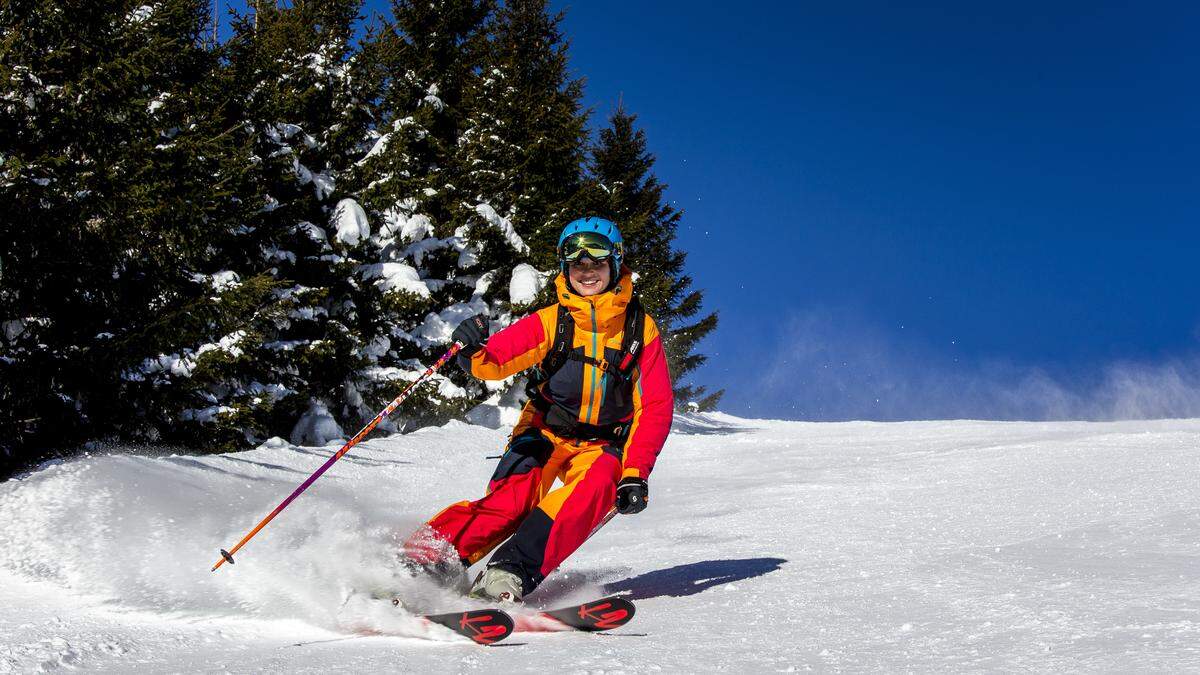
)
(653, 407)
(508, 352)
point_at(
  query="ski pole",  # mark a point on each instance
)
(227, 556)
(603, 521)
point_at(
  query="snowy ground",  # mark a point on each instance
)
(768, 546)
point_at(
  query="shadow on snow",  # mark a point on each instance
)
(692, 578)
(700, 427)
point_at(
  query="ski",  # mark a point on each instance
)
(597, 615)
(485, 626)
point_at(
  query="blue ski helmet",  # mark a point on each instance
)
(605, 228)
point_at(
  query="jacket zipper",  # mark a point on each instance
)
(595, 380)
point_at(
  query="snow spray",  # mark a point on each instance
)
(227, 556)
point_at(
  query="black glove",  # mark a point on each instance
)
(632, 495)
(472, 333)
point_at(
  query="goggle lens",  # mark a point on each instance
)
(589, 244)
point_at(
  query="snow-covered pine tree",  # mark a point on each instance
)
(422, 273)
(623, 187)
(304, 117)
(523, 149)
(199, 250)
(518, 162)
(430, 52)
(114, 179)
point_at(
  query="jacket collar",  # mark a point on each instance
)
(608, 305)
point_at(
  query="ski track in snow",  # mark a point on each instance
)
(767, 547)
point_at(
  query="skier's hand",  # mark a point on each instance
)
(471, 334)
(632, 495)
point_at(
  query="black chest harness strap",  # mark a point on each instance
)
(563, 421)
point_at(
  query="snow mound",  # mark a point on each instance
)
(499, 411)
(316, 234)
(395, 276)
(403, 222)
(502, 224)
(350, 222)
(316, 426)
(140, 14)
(437, 327)
(219, 281)
(525, 284)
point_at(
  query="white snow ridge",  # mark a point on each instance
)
(767, 547)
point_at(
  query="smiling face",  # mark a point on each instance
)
(589, 277)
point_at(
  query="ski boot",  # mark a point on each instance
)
(497, 584)
(426, 556)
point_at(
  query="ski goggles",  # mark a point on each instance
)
(587, 244)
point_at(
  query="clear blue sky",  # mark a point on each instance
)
(953, 210)
(954, 200)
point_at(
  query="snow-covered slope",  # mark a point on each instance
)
(768, 546)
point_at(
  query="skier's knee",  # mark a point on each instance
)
(525, 453)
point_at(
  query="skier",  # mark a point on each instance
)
(600, 408)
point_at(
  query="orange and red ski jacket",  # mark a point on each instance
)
(595, 396)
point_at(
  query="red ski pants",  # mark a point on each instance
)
(542, 526)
